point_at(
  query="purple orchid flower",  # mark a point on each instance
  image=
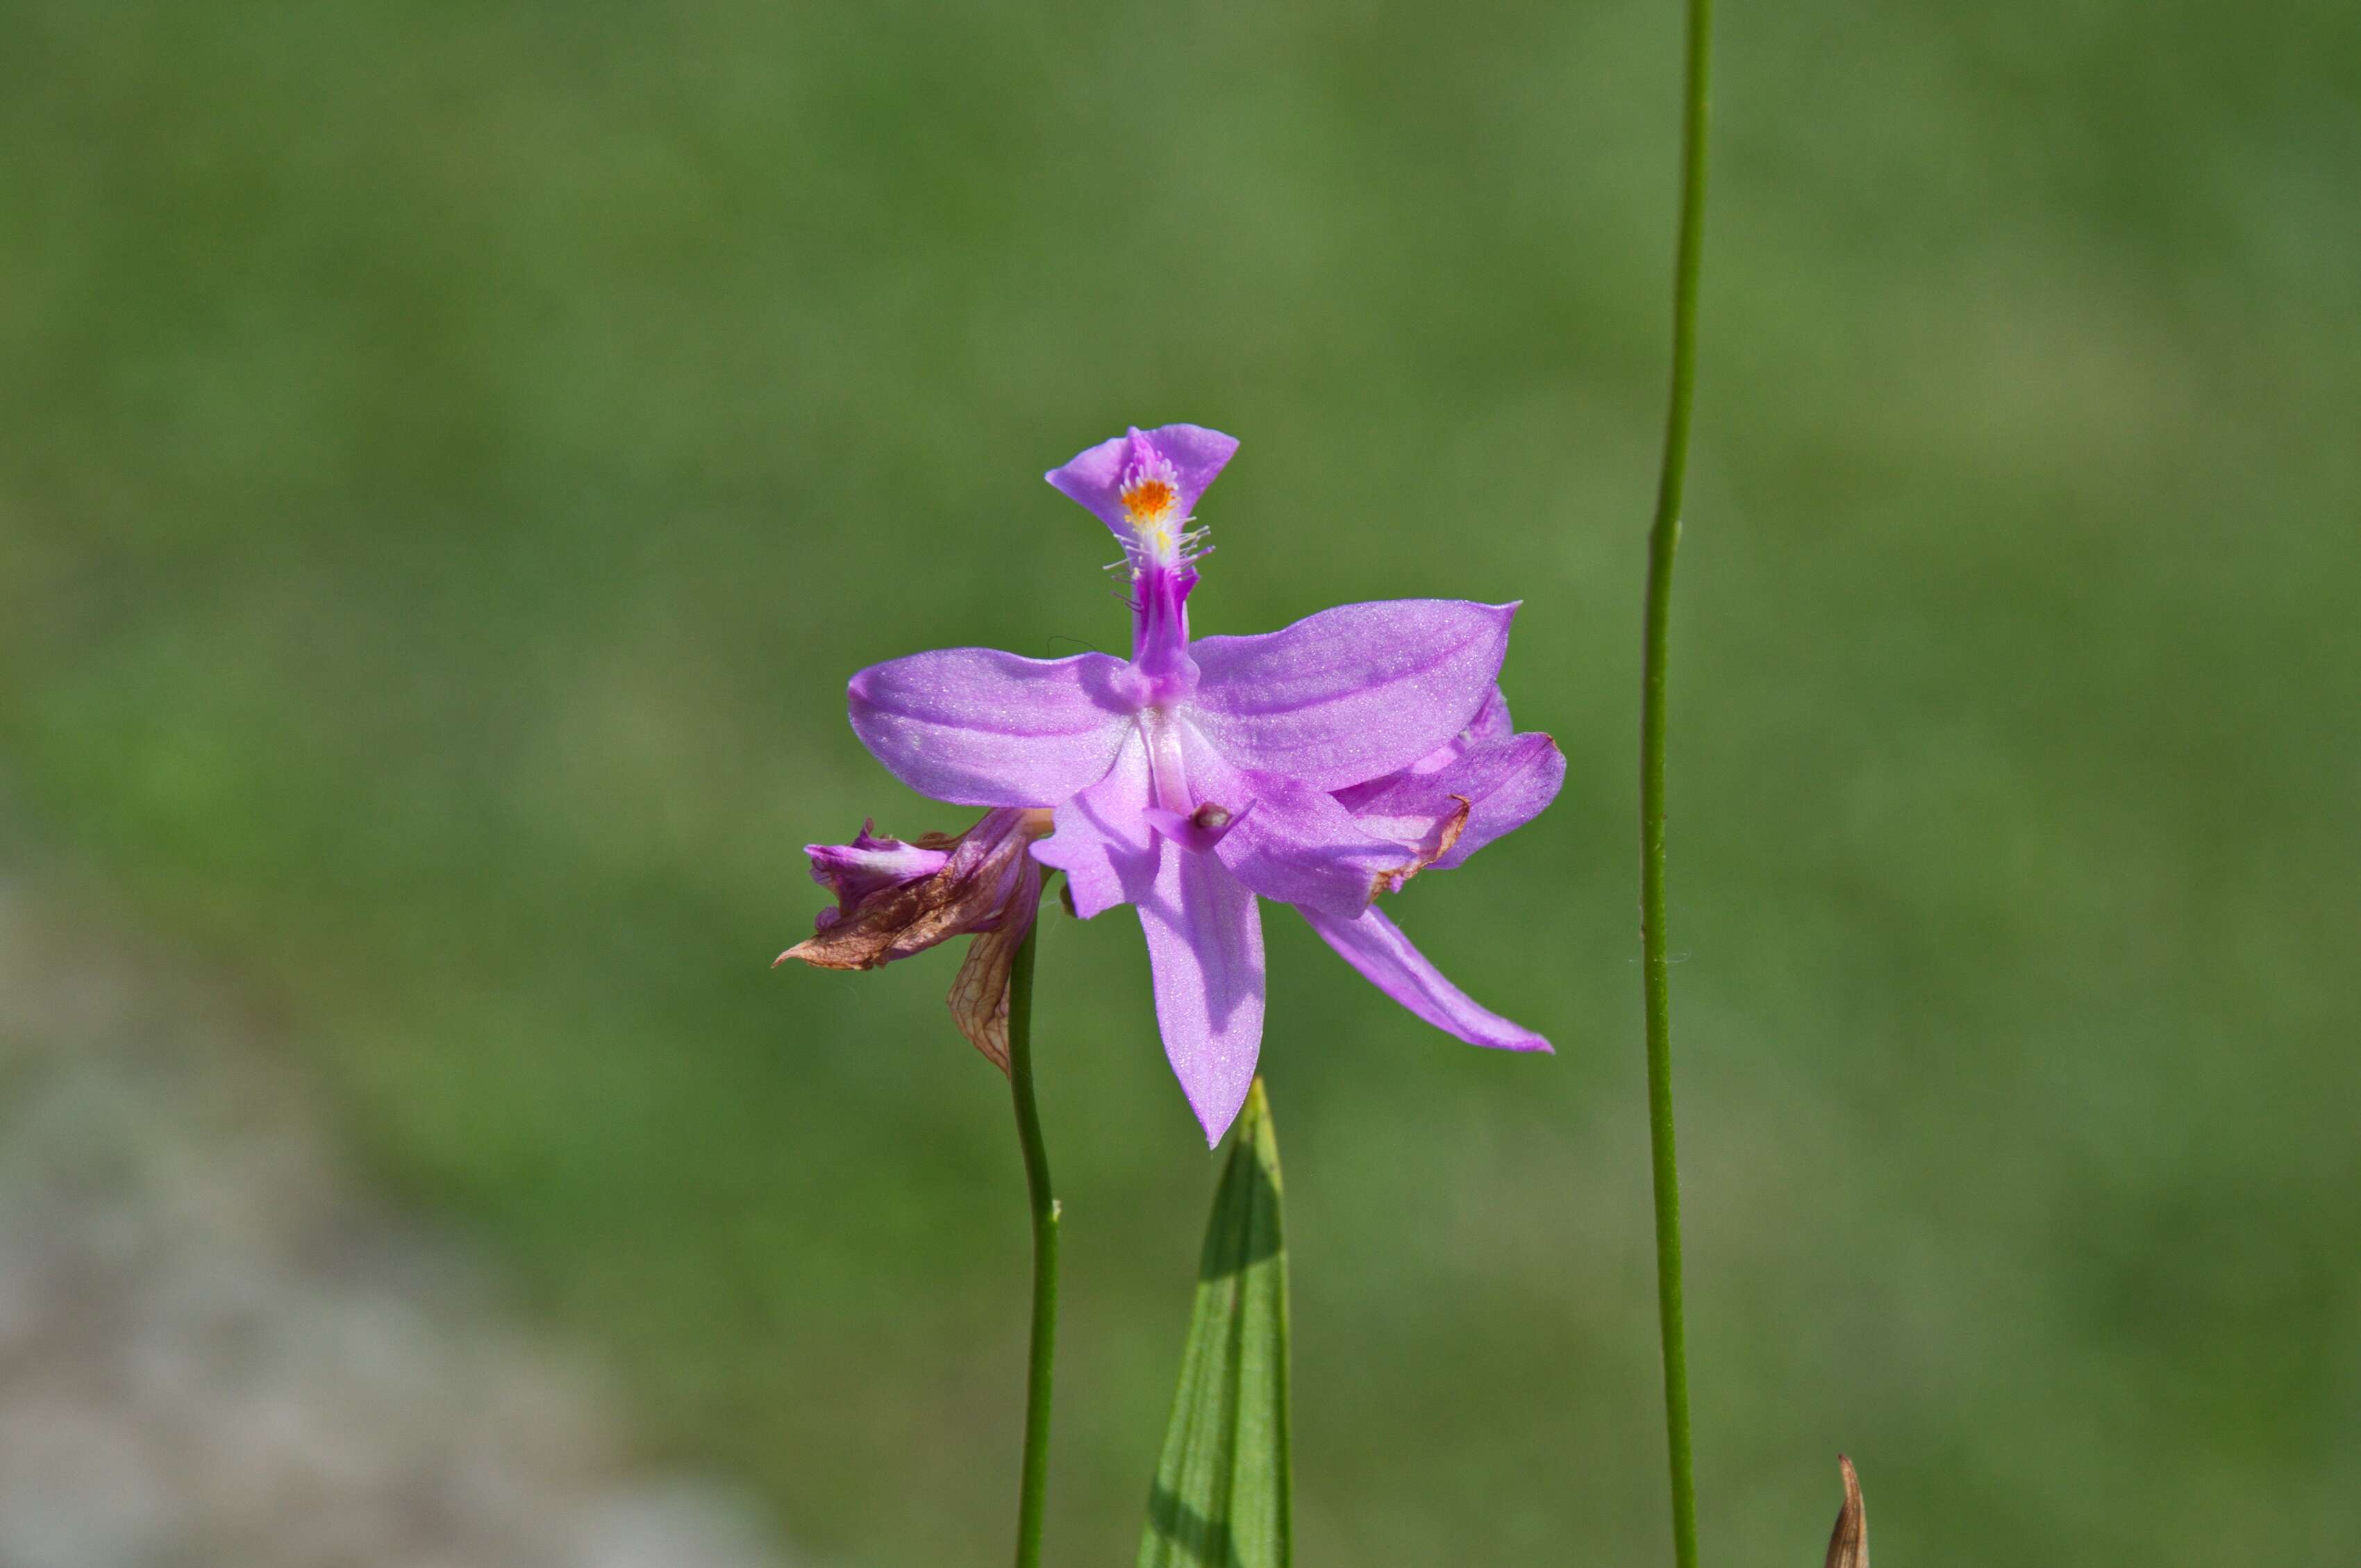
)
(1318, 765)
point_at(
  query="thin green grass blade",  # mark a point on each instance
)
(1220, 1493)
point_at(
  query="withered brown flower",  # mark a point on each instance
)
(895, 899)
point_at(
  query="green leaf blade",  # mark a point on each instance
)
(1221, 1497)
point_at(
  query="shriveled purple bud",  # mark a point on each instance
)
(868, 868)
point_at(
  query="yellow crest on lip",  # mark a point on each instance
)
(1147, 501)
(1148, 505)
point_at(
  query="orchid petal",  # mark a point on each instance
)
(1350, 692)
(1376, 946)
(1096, 478)
(1490, 723)
(1287, 840)
(1102, 840)
(1204, 948)
(977, 727)
(1501, 784)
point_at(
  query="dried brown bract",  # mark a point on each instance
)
(1849, 1544)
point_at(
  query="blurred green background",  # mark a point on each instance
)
(452, 456)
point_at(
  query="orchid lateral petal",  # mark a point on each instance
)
(1376, 946)
(1491, 721)
(1350, 692)
(977, 727)
(1205, 950)
(1102, 840)
(1498, 785)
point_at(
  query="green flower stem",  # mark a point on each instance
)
(1664, 541)
(1033, 1487)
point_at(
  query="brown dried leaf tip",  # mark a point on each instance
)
(1849, 1544)
(895, 899)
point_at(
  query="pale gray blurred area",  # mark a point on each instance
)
(215, 1350)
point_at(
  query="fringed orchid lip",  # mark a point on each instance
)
(1320, 765)
(1144, 484)
(1149, 490)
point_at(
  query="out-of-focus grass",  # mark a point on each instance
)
(454, 454)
